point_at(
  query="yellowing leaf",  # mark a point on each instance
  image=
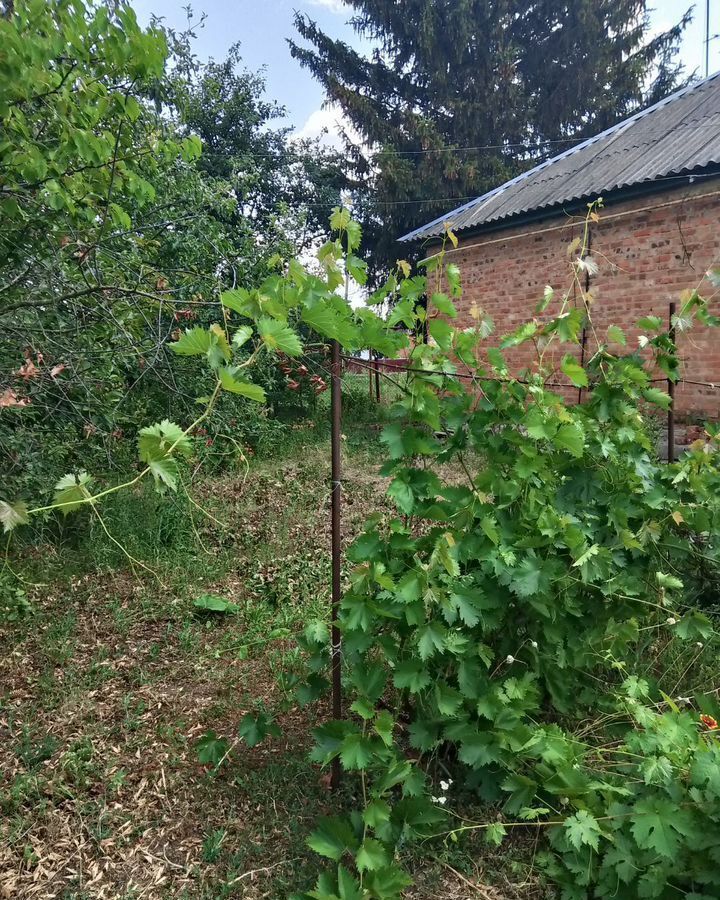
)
(13, 514)
(573, 246)
(451, 235)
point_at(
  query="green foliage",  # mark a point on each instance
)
(72, 492)
(522, 596)
(14, 604)
(213, 604)
(211, 749)
(117, 230)
(255, 728)
(156, 445)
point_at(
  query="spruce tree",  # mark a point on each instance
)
(521, 79)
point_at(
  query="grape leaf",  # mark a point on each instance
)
(71, 492)
(384, 726)
(657, 397)
(441, 332)
(13, 514)
(582, 828)
(656, 824)
(411, 675)
(242, 336)
(525, 579)
(574, 371)
(402, 494)
(333, 837)
(371, 856)
(431, 640)
(348, 887)
(452, 273)
(194, 342)
(156, 444)
(376, 812)
(444, 304)
(355, 752)
(238, 300)
(254, 729)
(571, 438)
(213, 603)
(229, 381)
(279, 337)
(211, 749)
(156, 441)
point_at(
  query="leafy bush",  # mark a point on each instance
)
(117, 230)
(544, 558)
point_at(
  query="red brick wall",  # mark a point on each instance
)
(646, 258)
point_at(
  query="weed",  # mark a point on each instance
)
(34, 750)
(212, 845)
(57, 639)
(77, 764)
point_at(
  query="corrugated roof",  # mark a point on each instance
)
(678, 135)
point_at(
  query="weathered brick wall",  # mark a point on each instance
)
(646, 258)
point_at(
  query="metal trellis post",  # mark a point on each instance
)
(336, 501)
(671, 392)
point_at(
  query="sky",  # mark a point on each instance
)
(262, 26)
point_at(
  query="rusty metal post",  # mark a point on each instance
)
(370, 373)
(582, 359)
(336, 501)
(671, 392)
(377, 379)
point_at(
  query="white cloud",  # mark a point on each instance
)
(336, 6)
(324, 124)
(327, 124)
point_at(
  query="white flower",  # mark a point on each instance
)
(509, 659)
(442, 800)
(699, 644)
(445, 785)
(587, 264)
(534, 645)
(671, 620)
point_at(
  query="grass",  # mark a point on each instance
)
(110, 676)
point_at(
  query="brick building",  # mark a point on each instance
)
(658, 173)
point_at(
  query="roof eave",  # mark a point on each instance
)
(572, 207)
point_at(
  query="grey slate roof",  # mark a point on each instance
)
(680, 134)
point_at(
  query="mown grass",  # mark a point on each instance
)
(109, 676)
